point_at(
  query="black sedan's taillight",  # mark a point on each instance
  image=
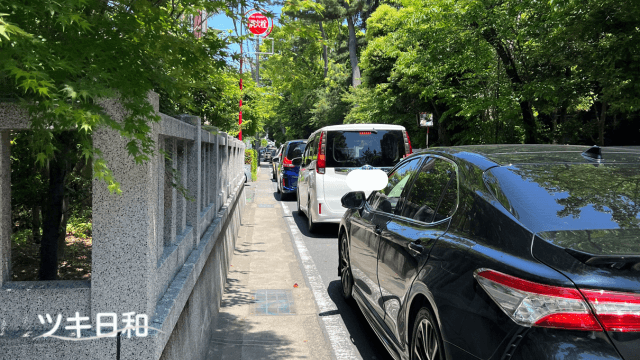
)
(532, 304)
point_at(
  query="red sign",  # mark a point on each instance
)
(258, 23)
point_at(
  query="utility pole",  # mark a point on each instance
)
(257, 60)
(241, 58)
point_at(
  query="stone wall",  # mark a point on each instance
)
(154, 252)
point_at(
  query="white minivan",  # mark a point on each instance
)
(332, 152)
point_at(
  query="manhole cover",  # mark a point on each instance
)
(265, 205)
(269, 302)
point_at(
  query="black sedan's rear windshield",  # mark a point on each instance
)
(555, 197)
(382, 148)
(295, 150)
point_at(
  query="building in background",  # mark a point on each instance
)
(197, 23)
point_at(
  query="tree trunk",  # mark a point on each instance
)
(491, 36)
(443, 135)
(554, 126)
(35, 224)
(353, 53)
(325, 56)
(529, 122)
(63, 227)
(52, 210)
(601, 123)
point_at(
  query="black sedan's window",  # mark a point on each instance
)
(433, 196)
(386, 199)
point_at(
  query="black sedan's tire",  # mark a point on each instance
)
(426, 340)
(346, 277)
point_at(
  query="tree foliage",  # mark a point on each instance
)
(489, 71)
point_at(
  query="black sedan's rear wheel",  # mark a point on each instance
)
(426, 341)
(346, 277)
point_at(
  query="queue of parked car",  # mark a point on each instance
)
(480, 252)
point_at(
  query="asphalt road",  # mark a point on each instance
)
(323, 248)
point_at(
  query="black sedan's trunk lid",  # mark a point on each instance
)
(606, 260)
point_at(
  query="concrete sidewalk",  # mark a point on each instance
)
(265, 259)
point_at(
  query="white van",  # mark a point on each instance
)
(332, 152)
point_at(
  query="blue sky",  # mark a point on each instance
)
(222, 22)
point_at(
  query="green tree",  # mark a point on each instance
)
(60, 58)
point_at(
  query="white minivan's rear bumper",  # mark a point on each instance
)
(327, 214)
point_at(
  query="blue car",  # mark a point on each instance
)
(287, 173)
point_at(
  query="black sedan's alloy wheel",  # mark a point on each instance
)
(346, 278)
(426, 341)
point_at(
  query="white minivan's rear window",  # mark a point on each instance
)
(381, 148)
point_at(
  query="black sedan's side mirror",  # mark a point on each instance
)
(353, 200)
(296, 161)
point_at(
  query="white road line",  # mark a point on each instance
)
(334, 327)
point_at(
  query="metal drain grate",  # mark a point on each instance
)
(269, 302)
(265, 205)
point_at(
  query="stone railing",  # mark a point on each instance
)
(154, 251)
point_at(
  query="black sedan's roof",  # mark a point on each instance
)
(486, 156)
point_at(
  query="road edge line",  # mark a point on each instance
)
(332, 325)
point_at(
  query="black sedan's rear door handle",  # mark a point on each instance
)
(416, 246)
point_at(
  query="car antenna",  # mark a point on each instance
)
(594, 153)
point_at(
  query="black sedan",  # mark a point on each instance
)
(500, 252)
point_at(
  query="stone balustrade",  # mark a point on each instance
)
(154, 252)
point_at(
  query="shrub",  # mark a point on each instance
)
(251, 157)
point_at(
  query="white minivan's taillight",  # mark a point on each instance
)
(407, 143)
(321, 164)
(532, 304)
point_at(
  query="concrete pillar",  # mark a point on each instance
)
(224, 166)
(181, 215)
(205, 172)
(5, 207)
(230, 173)
(161, 189)
(170, 193)
(220, 141)
(215, 173)
(212, 175)
(194, 181)
(124, 251)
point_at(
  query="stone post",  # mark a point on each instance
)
(224, 169)
(170, 194)
(182, 172)
(5, 207)
(194, 181)
(124, 227)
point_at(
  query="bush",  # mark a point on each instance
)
(80, 229)
(251, 157)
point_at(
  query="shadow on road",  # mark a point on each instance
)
(362, 335)
(325, 231)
